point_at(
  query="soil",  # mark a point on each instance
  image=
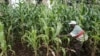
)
(22, 50)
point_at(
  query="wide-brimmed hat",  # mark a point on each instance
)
(72, 22)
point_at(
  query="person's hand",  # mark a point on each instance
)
(68, 35)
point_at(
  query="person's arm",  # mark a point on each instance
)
(61, 35)
(69, 35)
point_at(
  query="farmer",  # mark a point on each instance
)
(78, 35)
(77, 32)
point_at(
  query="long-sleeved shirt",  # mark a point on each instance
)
(79, 33)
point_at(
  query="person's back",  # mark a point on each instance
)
(79, 33)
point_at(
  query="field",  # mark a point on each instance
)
(32, 30)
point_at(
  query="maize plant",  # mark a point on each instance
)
(3, 46)
(33, 29)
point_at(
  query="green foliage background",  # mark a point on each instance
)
(30, 23)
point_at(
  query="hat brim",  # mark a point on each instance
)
(71, 23)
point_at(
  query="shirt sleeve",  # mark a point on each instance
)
(72, 34)
(75, 31)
